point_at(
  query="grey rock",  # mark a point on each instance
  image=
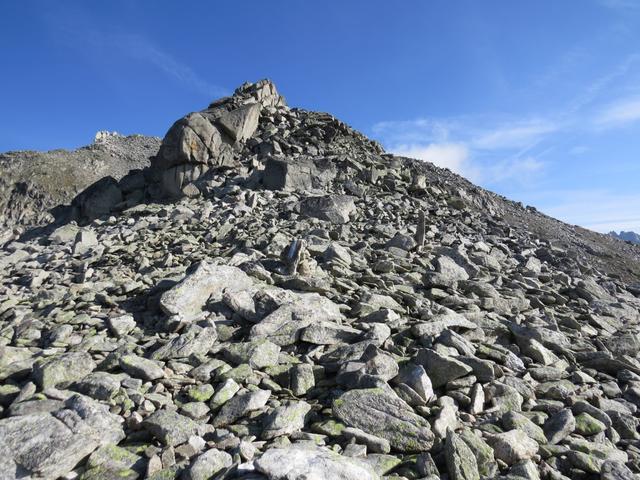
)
(513, 446)
(283, 326)
(51, 445)
(379, 413)
(61, 370)
(461, 462)
(559, 426)
(240, 405)
(332, 208)
(186, 299)
(141, 367)
(195, 341)
(301, 378)
(258, 353)
(297, 462)
(122, 325)
(415, 377)
(208, 464)
(241, 123)
(170, 427)
(285, 420)
(441, 369)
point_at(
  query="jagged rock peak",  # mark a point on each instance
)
(263, 92)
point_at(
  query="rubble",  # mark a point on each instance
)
(299, 304)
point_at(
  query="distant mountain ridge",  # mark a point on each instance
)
(632, 237)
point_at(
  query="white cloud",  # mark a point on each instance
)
(620, 113)
(460, 145)
(518, 135)
(142, 49)
(453, 156)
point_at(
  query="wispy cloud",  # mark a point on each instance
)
(619, 113)
(463, 145)
(142, 49)
(620, 4)
(78, 30)
(515, 135)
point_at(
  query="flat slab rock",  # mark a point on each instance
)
(303, 463)
(186, 299)
(381, 413)
(49, 445)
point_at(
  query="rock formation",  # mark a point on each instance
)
(274, 297)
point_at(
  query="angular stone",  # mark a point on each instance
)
(208, 464)
(122, 325)
(240, 405)
(559, 426)
(186, 299)
(301, 378)
(63, 369)
(51, 445)
(258, 353)
(327, 333)
(99, 385)
(300, 174)
(415, 377)
(298, 462)
(241, 123)
(379, 413)
(284, 325)
(513, 446)
(170, 427)
(195, 341)
(461, 462)
(516, 421)
(285, 420)
(374, 444)
(139, 367)
(586, 425)
(224, 393)
(441, 369)
(332, 208)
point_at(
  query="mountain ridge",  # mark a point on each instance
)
(274, 297)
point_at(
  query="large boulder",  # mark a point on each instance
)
(300, 174)
(299, 462)
(50, 445)
(211, 138)
(185, 300)
(383, 414)
(332, 208)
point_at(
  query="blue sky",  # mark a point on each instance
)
(538, 101)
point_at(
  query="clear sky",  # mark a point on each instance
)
(536, 100)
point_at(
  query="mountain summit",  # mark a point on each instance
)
(273, 296)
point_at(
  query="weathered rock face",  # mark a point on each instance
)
(211, 138)
(311, 308)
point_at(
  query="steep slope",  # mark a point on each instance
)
(310, 307)
(33, 183)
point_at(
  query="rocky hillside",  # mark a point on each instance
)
(277, 298)
(33, 183)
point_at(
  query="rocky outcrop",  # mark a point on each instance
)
(212, 138)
